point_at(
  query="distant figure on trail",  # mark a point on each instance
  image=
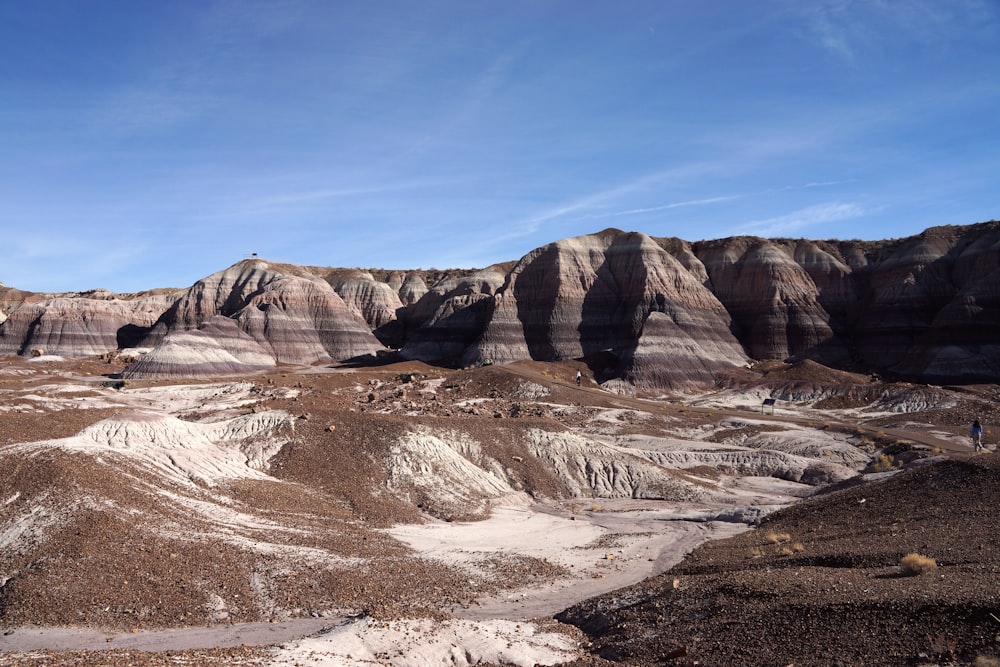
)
(977, 435)
(579, 378)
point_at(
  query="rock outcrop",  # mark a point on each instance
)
(924, 307)
(296, 316)
(78, 325)
(217, 348)
(643, 313)
(377, 302)
(380, 302)
(449, 318)
(774, 302)
(619, 300)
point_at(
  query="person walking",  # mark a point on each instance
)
(976, 432)
(579, 377)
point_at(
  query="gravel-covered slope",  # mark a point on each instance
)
(819, 583)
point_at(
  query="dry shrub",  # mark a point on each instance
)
(913, 563)
(595, 508)
(777, 538)
(787, 551)
(798, 546)
(986, 661)
(885, 463)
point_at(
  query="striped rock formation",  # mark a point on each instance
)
(217, 348)
(641, 312)
(79, 325)
(293, 315)
(620, 302)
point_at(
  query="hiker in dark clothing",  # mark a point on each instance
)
(976, 432)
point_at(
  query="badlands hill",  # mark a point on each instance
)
(923, 308)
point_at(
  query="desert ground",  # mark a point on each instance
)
(403, 514)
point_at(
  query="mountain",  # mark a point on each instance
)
(641, 312)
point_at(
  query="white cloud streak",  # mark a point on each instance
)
(680, 204)
(810, 216)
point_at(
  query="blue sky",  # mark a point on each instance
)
(150, 143)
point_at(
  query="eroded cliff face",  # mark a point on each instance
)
(78, 325)
(295, 315)
(924, 307)
(945, 302)
(451, 316)
(772, 298)
(217, 348)
(641, 312)
(620, 302)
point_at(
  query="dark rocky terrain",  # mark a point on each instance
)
(820, 583)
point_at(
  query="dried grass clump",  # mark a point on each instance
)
(885, 463)
(913, 564)
(777, 538)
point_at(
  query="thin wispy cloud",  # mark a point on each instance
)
(825, 20)
(598, 201)
(296, 199)
(680, 204)
(462, 113)
(796, 221)
(820, 184)
(847, 29)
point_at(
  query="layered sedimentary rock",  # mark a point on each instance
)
(616, 297)
(411, 287)
(376, 302)
(946, 303)
(924, 307)
(451, 316)
(79, 325)
(217, 348)
(774, 302)
(380, 298)
(642, 312)
(298, 318)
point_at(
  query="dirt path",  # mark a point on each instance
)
(23, 639)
